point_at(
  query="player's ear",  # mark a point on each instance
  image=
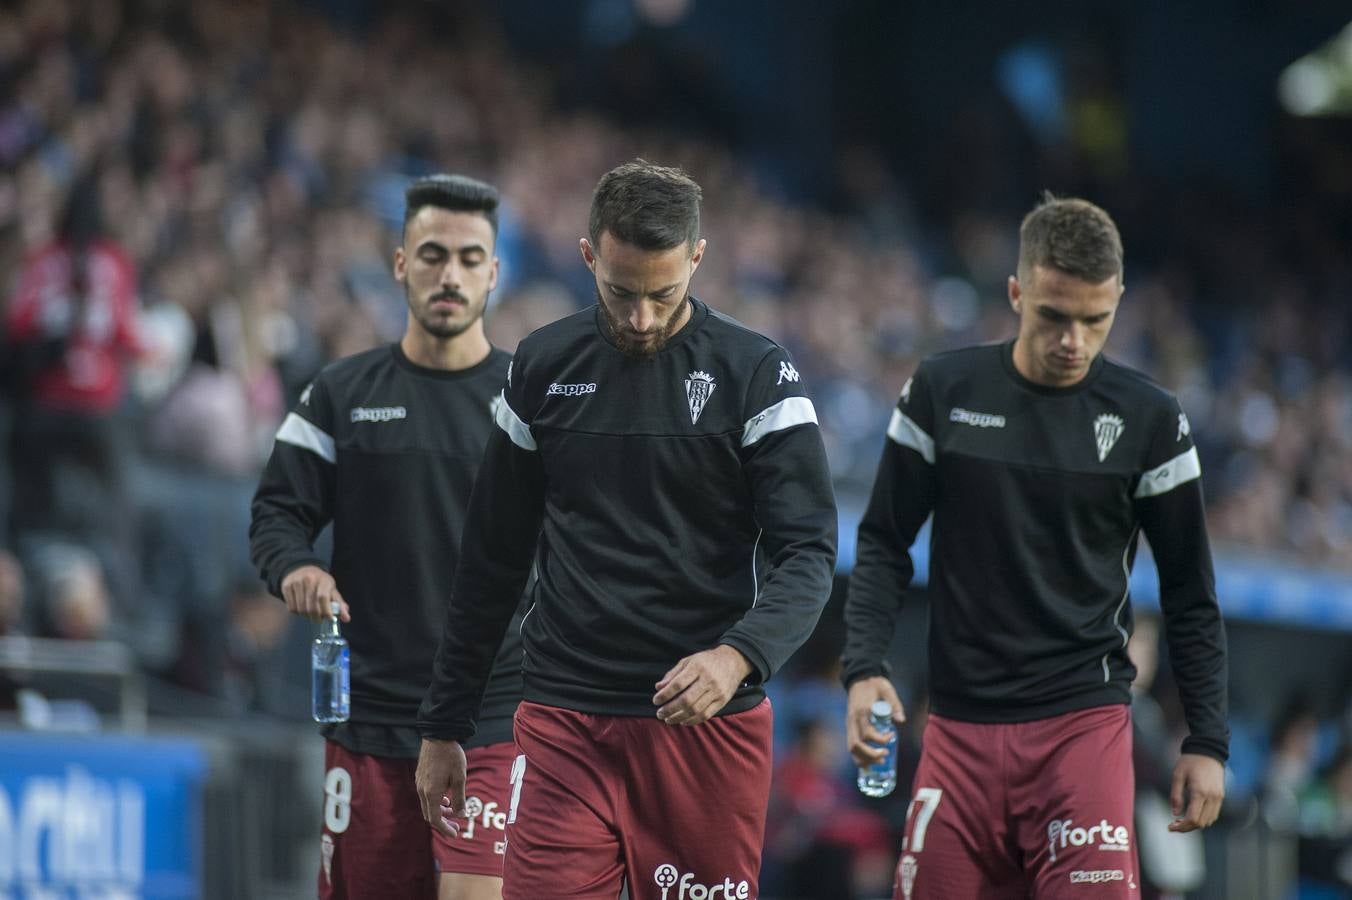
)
(588, 253)
(400, 265)
(1015, 293)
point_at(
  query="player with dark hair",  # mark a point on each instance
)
(1041, 461)
(662, 467)
(385, 445)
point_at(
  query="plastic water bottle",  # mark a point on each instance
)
(329, 699)
(880, 778)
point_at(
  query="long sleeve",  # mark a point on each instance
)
(785, 465)
(496, 552)
(295, 495)
(1169, 504)
(903, 495)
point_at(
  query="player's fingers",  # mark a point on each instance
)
(683, 706)
(446, 819)
(1193, 818)
(344, 613)
(1176, 791)
(675, 682)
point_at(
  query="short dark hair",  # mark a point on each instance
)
(649, 206)
(458, 193)
(1072, 236)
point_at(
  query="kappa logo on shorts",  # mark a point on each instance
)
(1062, 833)
(668, 876)
(1097, 876)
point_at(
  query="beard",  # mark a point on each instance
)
(438, 325)
(621, 334)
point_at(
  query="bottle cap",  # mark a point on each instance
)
(333, 608)
(881, 709)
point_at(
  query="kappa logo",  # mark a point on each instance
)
(378, 413)
(668, 876)
(699, 387)
(571, 390)
(978, 419)
(1097, 876)
(906, 871)
(1184, 428)
(1107, 429)
(906, 390)
(305, 394)
(1062, 833)
(786, 372)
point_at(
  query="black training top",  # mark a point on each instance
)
(387, 451)
(672, 504)
(1038, 496)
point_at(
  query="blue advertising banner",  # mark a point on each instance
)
(99, 816)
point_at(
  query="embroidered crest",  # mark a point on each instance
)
(326, 854)
(907, 871)
(699, 387)
(1107, 429)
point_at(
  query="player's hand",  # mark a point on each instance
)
(1197, 791)
(308, 591)
(858, 732)
(441, 784)
(700, 685)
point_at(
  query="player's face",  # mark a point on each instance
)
(642, 292)
(1063, 324)
(447, 268)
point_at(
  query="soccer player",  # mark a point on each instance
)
(662, 466)
(1042, 461)
(385, 445)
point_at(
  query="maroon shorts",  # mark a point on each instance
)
(375, 842)
(677, 811)
(1040, 808)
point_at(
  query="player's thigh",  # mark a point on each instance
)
(561, 843)
(374, 841)
(459, 886)
(955, 844)
(1075, 809)
(693, 819)
(479, 847)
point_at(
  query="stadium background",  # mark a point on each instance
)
(864, 164)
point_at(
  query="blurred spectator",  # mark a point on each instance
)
(71, 332)
(1292, 756)
(830, 847)
(1325, 822)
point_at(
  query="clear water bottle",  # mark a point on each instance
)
(329, 699)
(880, 778)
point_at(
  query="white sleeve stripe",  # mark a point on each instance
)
(510, 422)
(905, 432)
(301, 433)
(785, 414)
(1160, 480)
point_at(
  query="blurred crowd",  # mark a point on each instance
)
(198, 205)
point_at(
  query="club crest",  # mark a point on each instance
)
(907, 870)
(1107, 429)
(699, 387)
